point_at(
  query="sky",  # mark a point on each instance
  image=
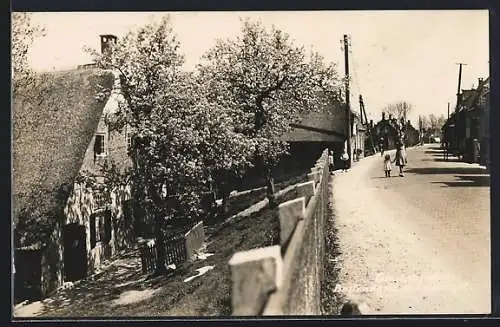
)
(394, 56)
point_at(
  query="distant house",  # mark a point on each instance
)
(412, 135)
(483, 132)
(358, 139)
(65, 228)
(467, 129)
(391, 131)
(386, 132)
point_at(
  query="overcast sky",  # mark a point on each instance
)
(396, 55)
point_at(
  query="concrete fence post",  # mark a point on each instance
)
(290, 213)
(255, 274)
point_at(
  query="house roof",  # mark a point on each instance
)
(386, 122)
(471, 97)
(468, 97)
(51, 132)
(326, 124)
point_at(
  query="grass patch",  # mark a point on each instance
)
(296, 177)
(244, 201)
(241, 202)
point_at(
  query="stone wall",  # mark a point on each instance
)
(286, 279)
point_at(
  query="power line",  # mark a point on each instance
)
(356, 83)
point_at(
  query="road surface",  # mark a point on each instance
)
(418, 244)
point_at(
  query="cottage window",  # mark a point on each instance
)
(99, 146)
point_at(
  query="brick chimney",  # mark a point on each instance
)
(390, 116)
(371, 123)
(106, 40)
(480, 81)
(383, 115)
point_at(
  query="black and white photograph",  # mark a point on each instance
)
(250, 163)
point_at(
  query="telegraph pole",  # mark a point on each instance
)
(459, 84)
(347, 102)
(448, 110)
(368, 127)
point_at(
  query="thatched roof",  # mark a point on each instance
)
(52, 127)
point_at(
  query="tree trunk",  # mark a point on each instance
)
(225, 204)
(225, 184)
(270, 188)
(225, 198)
(211, 196)
(158, 230)
(160, 245)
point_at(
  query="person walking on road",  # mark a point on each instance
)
(400, 158)
(381, 146)
(446, 150)
(387, 165)
(345, 159)
(331, 161)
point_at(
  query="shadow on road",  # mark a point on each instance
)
(443, 160)
(468, 180)
(448, 170)
(437, 152)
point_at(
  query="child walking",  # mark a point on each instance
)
(387, 165)
(400, 158)
(345, 159)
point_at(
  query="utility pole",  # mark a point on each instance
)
(420, 129)
(368, 127)
(347, 102)
(448, 110)
(459, 84)
(362, 108)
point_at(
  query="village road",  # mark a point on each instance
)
(418, 244)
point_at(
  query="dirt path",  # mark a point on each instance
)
(409, 245)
